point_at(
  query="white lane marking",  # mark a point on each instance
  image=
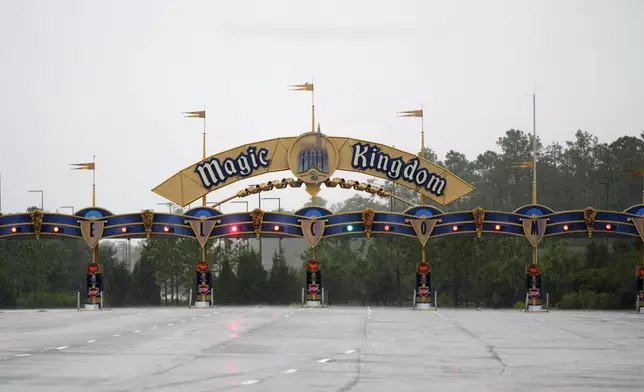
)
(289, 371)
(90, 341)
(445, 317)
(250, 382)
(183, 321)
(206, 315)
(194, 318)
(116, 335)
(138, 314)
(350, 351)
(325, 360)
(154, 327)
(61, 347)
(137, 331)
(170, 325)
(22, 355)
(288, 315)
(216, 313)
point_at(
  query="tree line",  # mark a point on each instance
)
(579, 273)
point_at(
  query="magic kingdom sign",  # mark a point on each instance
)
(313, 157)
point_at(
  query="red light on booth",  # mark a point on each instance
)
(234, 229)
(609, 226)
(123, 229)
(454, 228)
(497, 227)
(14, 229)
(166, 229)
(56, 229)
(387, 228)
(276, 228)
(565, 227)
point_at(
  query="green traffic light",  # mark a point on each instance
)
(350, 228)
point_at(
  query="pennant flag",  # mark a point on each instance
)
(411, 113)
(525, 164)
(301, 87)
(195, 114)
(83, 166)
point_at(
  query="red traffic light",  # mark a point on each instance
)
(124, 229)
(609, 227)
(234, 229)
(387, 228)
(168, 229)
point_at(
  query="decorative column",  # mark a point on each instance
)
(313, 230)
(203, 283)
(639, 288)
(639, 270)
(92, 231)
(423, 293)
(534, 229)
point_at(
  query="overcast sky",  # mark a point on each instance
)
(83, 78)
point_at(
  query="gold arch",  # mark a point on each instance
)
(186, 186)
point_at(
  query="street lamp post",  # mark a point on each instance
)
(166, 204)
(279, 209)
(42, 197)
(605, 183)
(70, 207)
(241, 202)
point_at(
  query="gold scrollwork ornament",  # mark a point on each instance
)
(367, 218)
(36, 220)
(589, 217)
(147, 216)
(479, 218)
(257, 217)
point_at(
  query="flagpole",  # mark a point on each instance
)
(312, 106)
(422, 143)
(534, 170)
(422, 133)
(203, 199)
(534, 149)
(94, 182)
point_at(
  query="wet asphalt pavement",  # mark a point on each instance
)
(333, 349)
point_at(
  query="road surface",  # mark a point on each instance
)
(333, 349)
